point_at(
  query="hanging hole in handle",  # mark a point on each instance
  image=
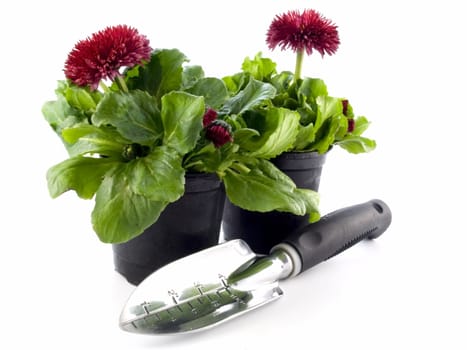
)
(378, 208)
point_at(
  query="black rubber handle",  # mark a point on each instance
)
(340, 230)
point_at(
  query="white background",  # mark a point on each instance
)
(401, 64)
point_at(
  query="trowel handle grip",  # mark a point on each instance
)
(340, 230)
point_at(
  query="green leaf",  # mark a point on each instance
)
(81, 174)
(206, 159)
(120, 214)
(260, 68)
(306, 135)
(236, 122)
(82, 98)
(361, 124)
(89, 139)
(213, 90)
(236, 82)
(282, 82)
(357, 144)
(303, 98)
(133, 114)
(190, 76)
(210, 159)
(158, 176)
(265, 188)
(277, 127)
(242, 136)
(252, 96)
(326, 135)
(311, 88)
(74, 105)
(342, 128)
(182, 117)
(162, 74)
(327, 107)
(59, 114)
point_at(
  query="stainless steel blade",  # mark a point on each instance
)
(206, 289)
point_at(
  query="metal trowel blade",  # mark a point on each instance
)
(194, 292)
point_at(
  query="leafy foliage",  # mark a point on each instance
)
(322, 119)
(131, 142)
(131, 145)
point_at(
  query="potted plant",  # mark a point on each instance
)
(149, 139)
(318, 122)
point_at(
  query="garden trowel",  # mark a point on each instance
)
(227, 280)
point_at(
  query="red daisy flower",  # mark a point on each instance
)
(104, 53)
(306, 31)
(219, 133)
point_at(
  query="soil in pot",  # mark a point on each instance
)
(186, 226)
(264, 230)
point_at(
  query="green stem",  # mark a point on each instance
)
(298, 64)
(121, 83)
(239, 167)
(188, 166)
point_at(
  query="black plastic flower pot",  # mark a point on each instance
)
(264, 230)
(186, 226)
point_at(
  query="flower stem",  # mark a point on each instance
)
(239, 167)
(121, 83)
(298, 64)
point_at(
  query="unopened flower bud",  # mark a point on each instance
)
(209, 117)
(350, 125)
(219, 132)
(345, 106)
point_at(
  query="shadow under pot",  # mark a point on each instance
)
(190, 224)
(262, 231)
